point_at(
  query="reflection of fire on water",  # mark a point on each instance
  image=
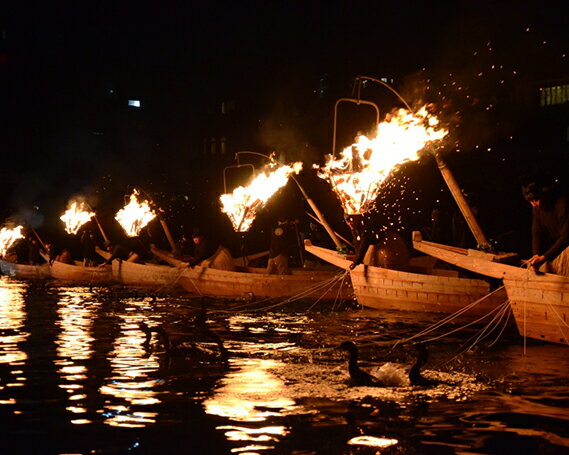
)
(76, 216)
(8, 237)
(242, 205)
(134, 216)
(252, 394)
(357, 175)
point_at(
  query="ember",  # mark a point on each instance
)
(358, 175)
(76, 216)
(242, 205)
(8, 237)
(134, 216)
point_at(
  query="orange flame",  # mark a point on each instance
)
(242, 205)
(76, 216)
(134, 216)
(8, 237)
(357, 176)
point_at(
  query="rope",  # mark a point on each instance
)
(451, 317)
(301, 295)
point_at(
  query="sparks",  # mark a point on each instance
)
(357, 176)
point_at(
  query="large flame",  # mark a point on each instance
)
(242, 205)
(76, 216)
(134, 216)
(8, 236)
(357, 176)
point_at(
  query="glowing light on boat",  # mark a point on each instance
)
(134, 216)
(8, 237)
(356, 177)
(76, 215)
(242, 205)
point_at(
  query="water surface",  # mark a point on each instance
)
(77, 377)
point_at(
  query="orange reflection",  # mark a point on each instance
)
(77, 310)
(130, 382)
(372, 441)
(12, 319)
(251, 394)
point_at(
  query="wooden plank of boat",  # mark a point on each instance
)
(145, 275)
(488, 264)
(169, 258)
(24, 271)
(388, 289)
(540, 302)
(81, 274)
(256, 283)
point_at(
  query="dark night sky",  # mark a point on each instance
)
(60, 61)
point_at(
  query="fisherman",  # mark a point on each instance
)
(387, 251)
(88, 243)
(208, 253)
(362, 238)
(279, 250)
(34, 257)
(50, 252)
(117, 252)
(65, 257)
(550, 228)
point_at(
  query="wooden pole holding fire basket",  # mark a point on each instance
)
(168, 234)
(318, 213)
(463, 205)
(105, 238)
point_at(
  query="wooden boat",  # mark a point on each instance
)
(416, 288)
(540, 302)
(256, 283)
(78, 273)
(24, 271)
(145, 275)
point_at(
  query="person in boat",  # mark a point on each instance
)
(362, 238)
(65, 257)
(550, 228)
(184, 249)
(50, 252)
(117, 252)
(387, 250)
(281, 239)
(88, 244)
(209, 253)
(34, 256)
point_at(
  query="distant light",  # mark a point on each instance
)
(134, 103)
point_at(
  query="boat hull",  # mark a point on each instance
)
(540, 307)
(387, 289)
(145, 275)
(539, 302)
(80, 274)
(257, 285)
(24, 271)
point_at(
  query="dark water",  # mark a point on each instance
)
(77, 378)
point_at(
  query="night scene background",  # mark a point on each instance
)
(98, 98)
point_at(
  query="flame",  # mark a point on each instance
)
(134, 216)
(357, 176)
(242, 205)
(76, 216)
(8, 236)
